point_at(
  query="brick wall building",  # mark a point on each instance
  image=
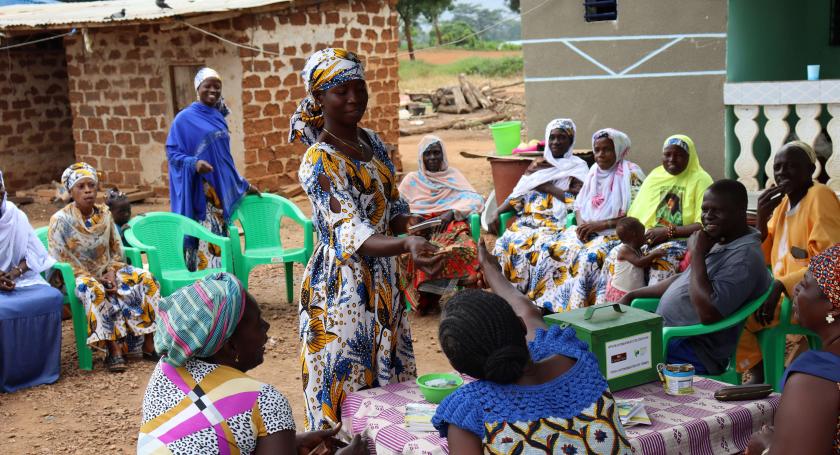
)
(36, 135)
(124, 81)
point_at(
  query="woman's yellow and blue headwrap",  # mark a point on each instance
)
(76, 173)
(197, 320)
(324, 70)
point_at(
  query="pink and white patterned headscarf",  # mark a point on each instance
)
(606, 193)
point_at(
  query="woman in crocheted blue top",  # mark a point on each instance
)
(539, 390)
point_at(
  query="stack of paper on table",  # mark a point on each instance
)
(632, 412)
(418, 417)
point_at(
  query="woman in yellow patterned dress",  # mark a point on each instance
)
(120, 301)
(353, 328)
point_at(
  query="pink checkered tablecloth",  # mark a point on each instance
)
(695, 424)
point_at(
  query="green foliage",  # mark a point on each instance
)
(459, 33)
(513, 5)
(486, 67)
(487, 21)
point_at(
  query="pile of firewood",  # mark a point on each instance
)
(462, 98)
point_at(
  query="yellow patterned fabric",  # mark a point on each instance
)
(353, 327)
(92, 247)
(596, 429)
(76, 173)
(324, 70)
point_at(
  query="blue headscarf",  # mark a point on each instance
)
(200, 132)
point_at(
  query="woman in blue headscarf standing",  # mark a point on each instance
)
(353, 327)
(203, 181)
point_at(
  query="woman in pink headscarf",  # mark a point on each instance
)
(435, 191)
(579, 253)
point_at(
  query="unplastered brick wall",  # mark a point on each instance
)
(120, 86)
(121, 97)
(36, 140)
(272, 86)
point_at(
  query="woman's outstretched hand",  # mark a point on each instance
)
(423, 254)
(488, 264)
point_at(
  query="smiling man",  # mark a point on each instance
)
(727, 270)
(798, 219)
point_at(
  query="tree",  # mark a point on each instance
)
(460, 33)
(408, 11)
(513, 5)
(431, 10)
(479, 19)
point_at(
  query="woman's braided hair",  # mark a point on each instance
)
(483, 337)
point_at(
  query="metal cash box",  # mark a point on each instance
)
(626, 341)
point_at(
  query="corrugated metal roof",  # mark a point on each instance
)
(81, 13)
(25, 2)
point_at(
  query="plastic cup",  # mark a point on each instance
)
(813, 72)
(506, 136)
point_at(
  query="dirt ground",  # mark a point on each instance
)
(97, 412)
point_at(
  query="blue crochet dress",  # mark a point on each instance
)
(573, 414)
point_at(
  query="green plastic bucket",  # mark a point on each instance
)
(506, 136)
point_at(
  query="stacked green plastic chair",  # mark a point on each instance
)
(262, 219)
(161, 236)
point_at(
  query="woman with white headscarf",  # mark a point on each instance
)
(575, 257)
(541, 201)
(353, 326)
(434, 191)
(30, 309)
(203, 181)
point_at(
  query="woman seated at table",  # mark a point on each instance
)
(28, 305)
(120, 300)
(199, 399)
(668, 205)
(439, 191)
(577, 255)
(808, 418)
(539, 389)
(541, 201)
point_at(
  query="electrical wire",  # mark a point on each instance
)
(225, 40)
(41, 40)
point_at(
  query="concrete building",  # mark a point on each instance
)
(657, 70)
(107, 89)
(730, 74)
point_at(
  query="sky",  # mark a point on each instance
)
(488, 4)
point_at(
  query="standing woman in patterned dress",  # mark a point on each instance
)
(203, 181)
(353, 327)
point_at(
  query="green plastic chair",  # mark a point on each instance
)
(161, 236)
(77, 310)
(730, 375)
(772, 341)
(504, 217)
(261, 219)
(475, 226)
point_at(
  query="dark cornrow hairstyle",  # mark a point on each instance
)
(483, 337)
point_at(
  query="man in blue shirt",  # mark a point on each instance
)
(727, 270)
